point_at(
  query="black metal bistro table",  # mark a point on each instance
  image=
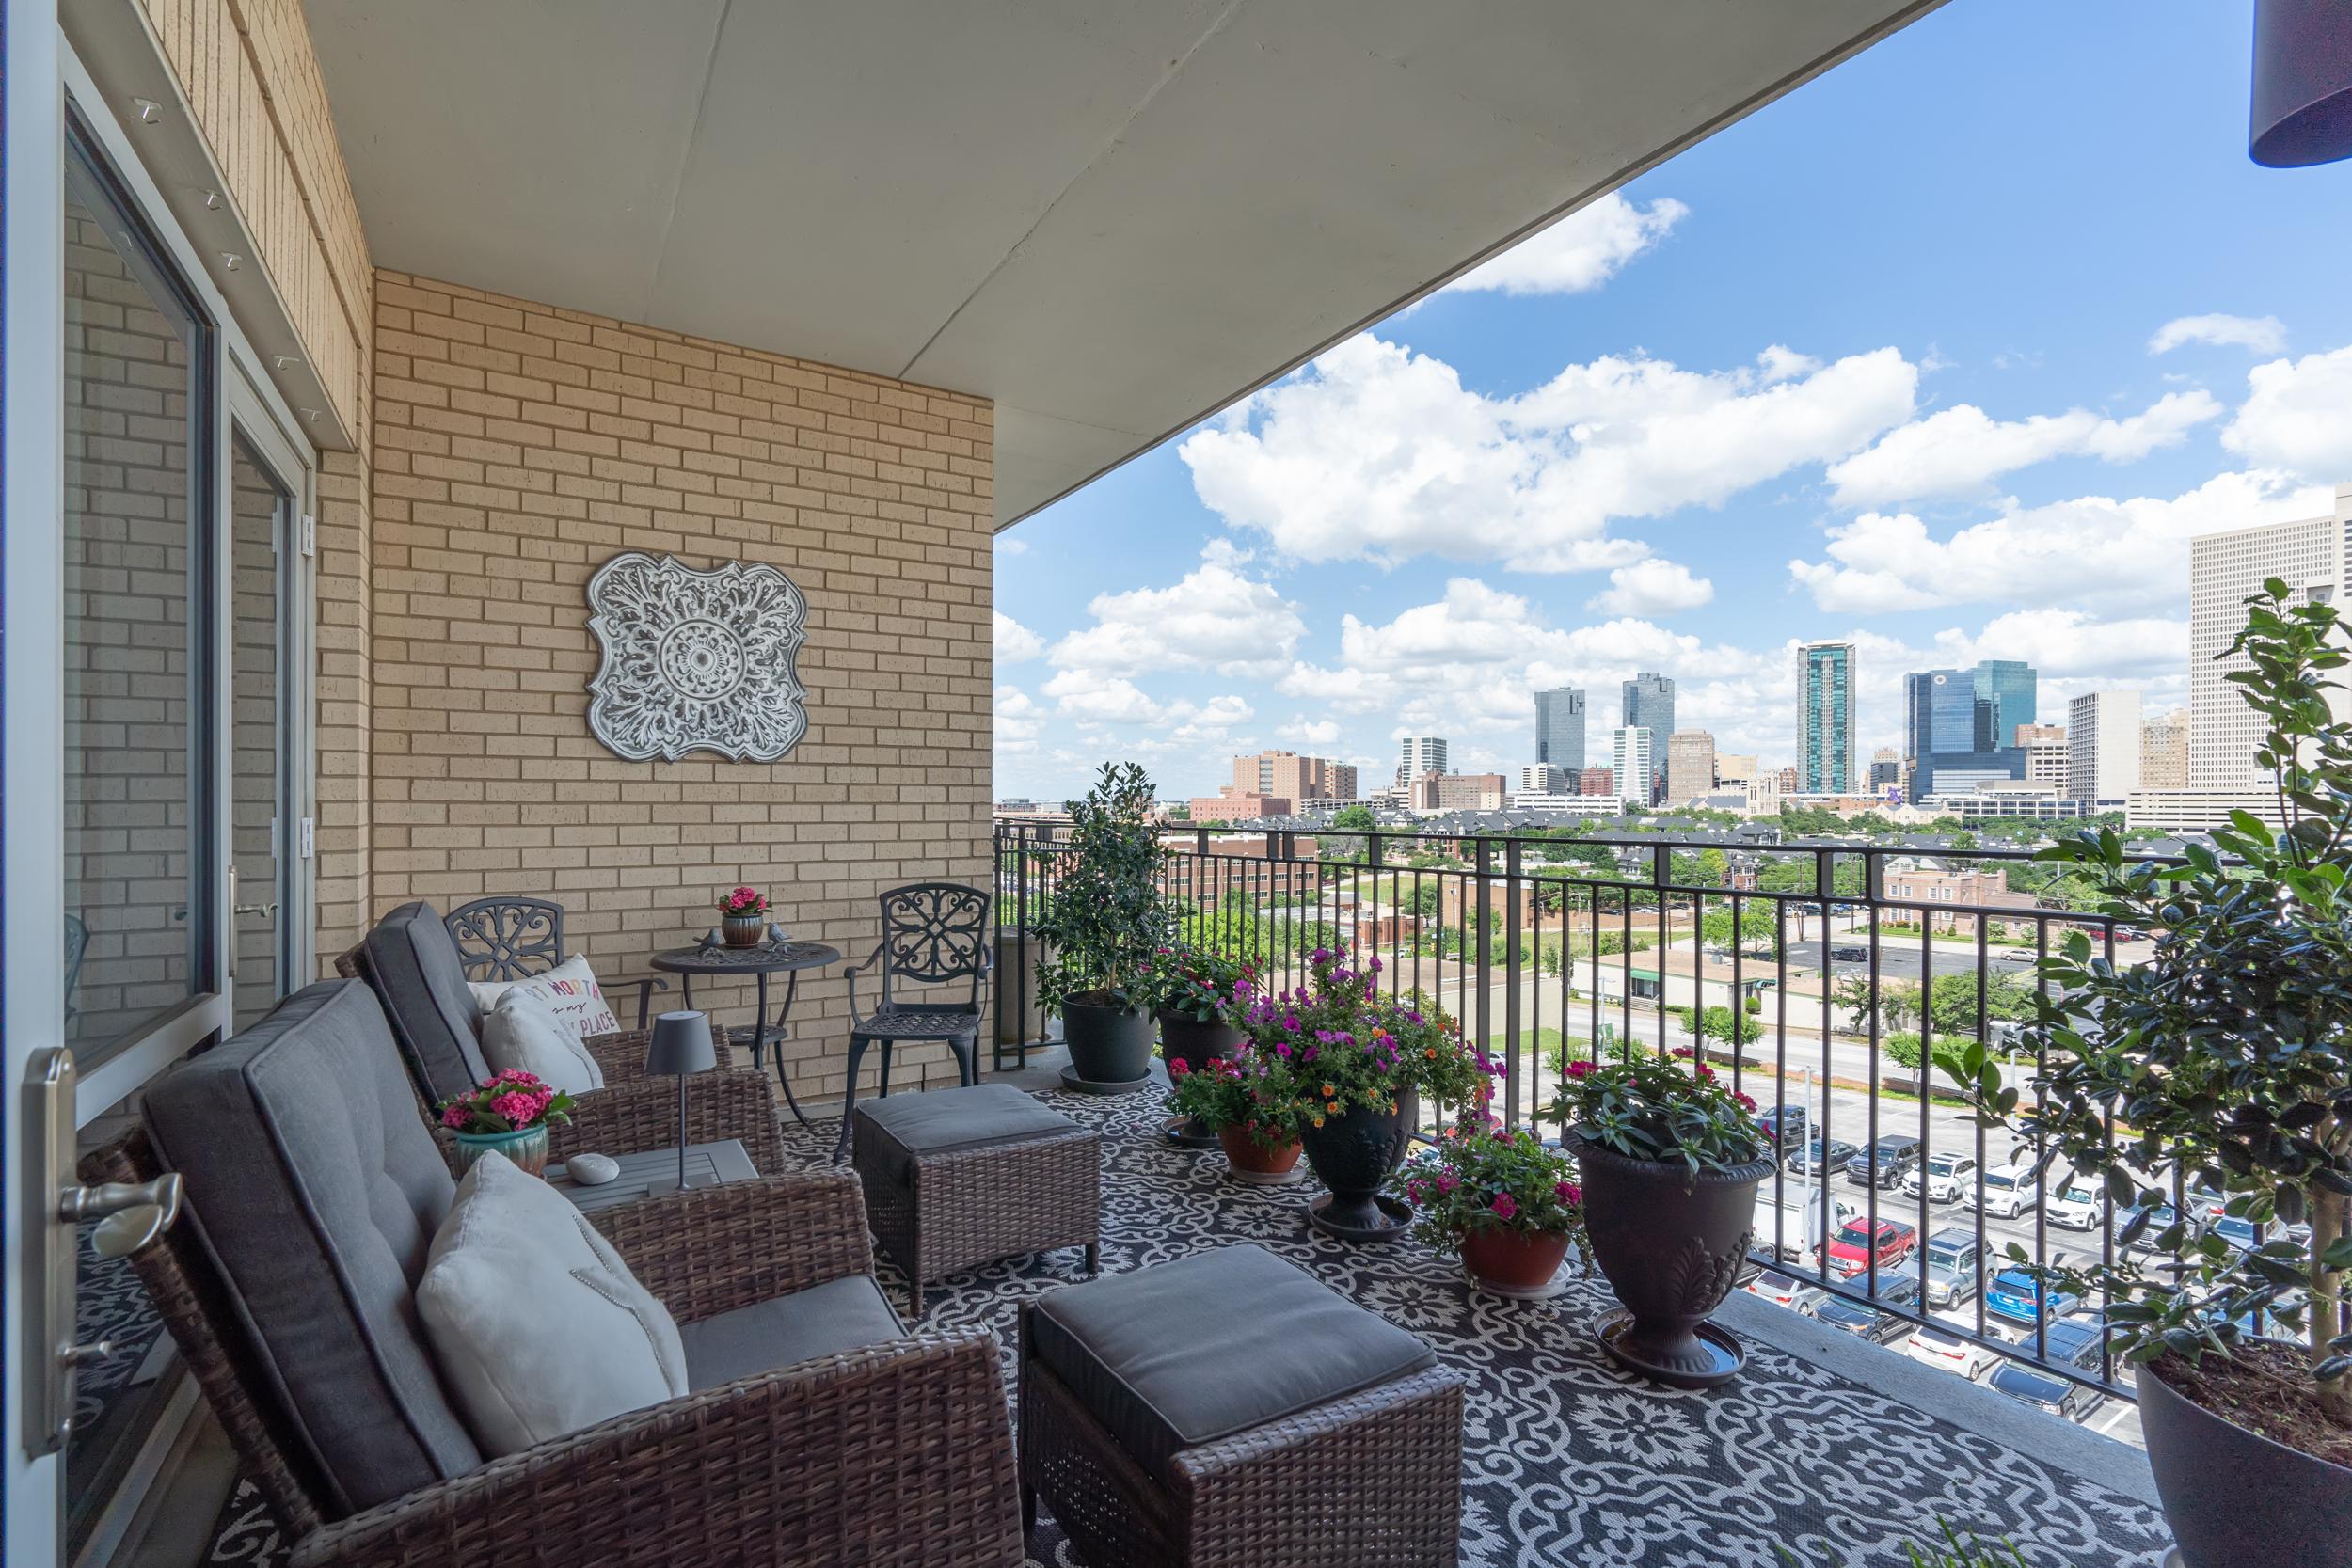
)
(788, 959)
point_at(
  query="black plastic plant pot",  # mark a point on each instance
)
(1107, 1044)
(1353, 1155)
(1197, 1044)
(2236, 1499)
(1670, 1243)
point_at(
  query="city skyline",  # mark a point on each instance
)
(1789, 387)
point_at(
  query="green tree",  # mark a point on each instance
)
(1111, 916)
(1355, 819)
(1897, 1002)
(1759, 925)
(1721, 1024)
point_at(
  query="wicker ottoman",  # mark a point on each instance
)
(1229, 1409)
(959, 1177)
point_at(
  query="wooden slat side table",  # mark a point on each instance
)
(652, 1169)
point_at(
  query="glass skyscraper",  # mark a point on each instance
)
(2008, 695)
(1959, 726)
(1648, 701)
(1825, 719)
(1560, 727)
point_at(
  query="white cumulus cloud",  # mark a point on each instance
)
(1959, 451)
(1652, 587)
(1580, 252)
(1015, 642)
(1019, 719)
(1375, 451)
(1215, 618)
(2262, 334)
(2298, 415)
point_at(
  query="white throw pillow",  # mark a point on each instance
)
(570, 988)
(524, 1034)
(539, 1327)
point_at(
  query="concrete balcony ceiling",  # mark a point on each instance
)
(1110, 216)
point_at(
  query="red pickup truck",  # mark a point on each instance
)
(1855, 1246)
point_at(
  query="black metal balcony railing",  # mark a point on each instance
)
(1621, 947)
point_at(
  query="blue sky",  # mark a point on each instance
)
(1949, 351)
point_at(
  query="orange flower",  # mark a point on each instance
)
(1318, 1121)
(1328, 1091)
(1431, 1052)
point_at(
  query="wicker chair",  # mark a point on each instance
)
(932, 933)
(286, 1287)
(515, 937)
(412, 964)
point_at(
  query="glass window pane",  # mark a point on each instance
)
(259, 512)
(136, 388)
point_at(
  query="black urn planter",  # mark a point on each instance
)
(1670, 1243)
(1354, 1155)
(1186, 1040)
(1110, 1047)
(2234, 1496)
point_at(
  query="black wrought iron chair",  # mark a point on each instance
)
(514, 939)
(76, 948)
(932, 933)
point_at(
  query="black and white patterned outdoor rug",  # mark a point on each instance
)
(1568, 1461)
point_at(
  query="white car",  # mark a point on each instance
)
(2009, 1192)
(1943, 1342)
(1946, 1178)
(2075, 1205)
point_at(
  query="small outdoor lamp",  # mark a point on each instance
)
(680, 1048)
(2302, 99)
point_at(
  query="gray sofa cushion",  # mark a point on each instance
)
(823, 1320)
(943, 1119)
(1181, 1353)
(411, 964)
(317, 1188)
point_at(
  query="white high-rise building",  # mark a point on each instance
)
(1635, 750)
(1418, 754)
(2223, 569)
(1547, 778)
(2103, 744)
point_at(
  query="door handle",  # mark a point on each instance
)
(267, 911)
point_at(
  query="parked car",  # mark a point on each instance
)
(1820, 1156)
(1855, 1246)
(2071, 1344)
(1851, 954)
(1781, 1290)
(1786, 1124)
(2074, 1205)
(2239, 1234)
(2162, 1218)
(1788, 1217)
(2015, 1297)
(1880, 1327)
(1946, 1178)
(1955, 1267)
(2009, 1192)
(1949, 1343)
(1885, 1162)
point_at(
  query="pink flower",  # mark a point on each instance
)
(1578, 1070)
(1447, 1181)
(1505, 1205)
(1178, 1067)
(519, 1107)
(1683, 1051)
(1707, 1074)
(455, 1116)
(1417, 1190)
(1569, 1193)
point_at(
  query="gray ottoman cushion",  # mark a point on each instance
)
(1181, 1353)
(944, 1119)
(824, 1320)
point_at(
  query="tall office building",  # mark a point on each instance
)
(1886, 768)
(1959, 726)
(1293, 777)
(1735, 768)
(2223, 569)
(1648, 703)
(1560, 728)
(1420, 753)
(1547, 778)
(1690, 766)
(2044, 746)
(1826, 743)
(2164, 751)
(2103, 744)
(1636, 754)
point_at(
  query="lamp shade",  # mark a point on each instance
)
(680, 1045)
(2302, 100)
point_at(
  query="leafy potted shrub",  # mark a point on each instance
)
(1507, 1204)
(1197, 997)
(1669, 1157)
(2224, 1064)
(1108, 921)
(1249, 1104)
(1360, 1059)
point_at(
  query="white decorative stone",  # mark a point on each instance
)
(696, 661)
(592, 1170)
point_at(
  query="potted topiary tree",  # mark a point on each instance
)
(1108, 920)
(2223, 1065)
(1669, 1158)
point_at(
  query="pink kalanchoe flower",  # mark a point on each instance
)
(1569, 1193)
(1178, 1067)
(1505, 1205)
(455, 1116)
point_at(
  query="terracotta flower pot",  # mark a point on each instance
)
(1513, 1260)
(1251, 1158)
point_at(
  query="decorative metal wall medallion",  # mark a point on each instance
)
(695, 661)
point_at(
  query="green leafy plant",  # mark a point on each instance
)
(1108, 918)
(1670, 1108)
(1255, 1090)
(2223, 1059)
(1354, 1048)
(1204, 985)
(1483, 1179)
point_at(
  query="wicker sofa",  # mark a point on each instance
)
(815, 1432)
(410, 961)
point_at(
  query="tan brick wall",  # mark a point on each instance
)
(519, 447)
